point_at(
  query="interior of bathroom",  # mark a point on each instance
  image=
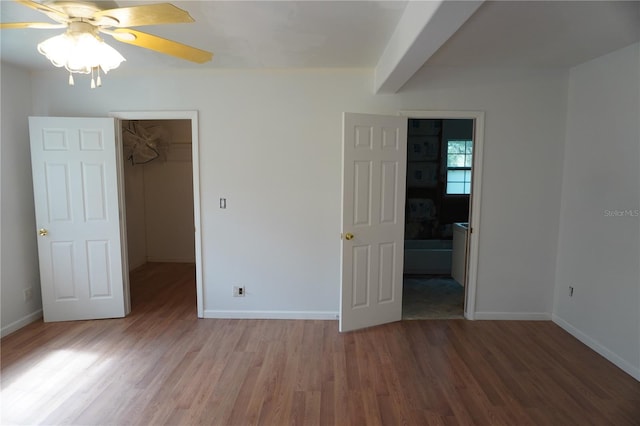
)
(439, 172)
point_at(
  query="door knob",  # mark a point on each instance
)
(43, 232)
(348, 236)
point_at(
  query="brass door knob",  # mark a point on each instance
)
(348, 236)
(43, 232)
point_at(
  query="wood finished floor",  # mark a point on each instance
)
(161, 365)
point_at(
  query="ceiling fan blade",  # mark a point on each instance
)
(39, 25)
(44, 8)
(152, 14)
(162, 45)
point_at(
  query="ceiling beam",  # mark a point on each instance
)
(422, 29)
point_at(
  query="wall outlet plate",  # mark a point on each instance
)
(238, 291)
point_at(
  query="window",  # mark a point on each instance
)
(459, 162)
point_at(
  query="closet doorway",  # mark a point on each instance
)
(159, 189)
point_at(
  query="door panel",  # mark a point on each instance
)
(77, 209)
(57, 182)
(387, 272)
(361, 193)
(373, 195)
(62, 270)
(389, 196)
(95, 203)
(99, 264)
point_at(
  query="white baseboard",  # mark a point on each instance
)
(293, 315)
(328, 315)
(170, 260)
(133, 267)
(512, 316)
(17, 325)
(622, 364)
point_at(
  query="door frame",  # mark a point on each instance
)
(195, 155)
(475, 196)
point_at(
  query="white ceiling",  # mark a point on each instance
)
(541, 34)
(242, 34)
(301, 34)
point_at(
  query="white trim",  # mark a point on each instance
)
(422, 29)
(195, 145)
(169, 260)
(633, 371)
(290, 315)
(476, 196)
(124, 249)
(136, 265)
(513, 316)
(22, 322)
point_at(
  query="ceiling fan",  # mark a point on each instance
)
(81, 50)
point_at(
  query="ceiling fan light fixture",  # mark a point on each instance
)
(80, 50)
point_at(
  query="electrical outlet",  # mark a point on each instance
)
(28, 294)
(238, 291)
(570, 291)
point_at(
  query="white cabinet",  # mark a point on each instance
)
(459, 255)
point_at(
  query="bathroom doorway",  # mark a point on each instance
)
(440, 158)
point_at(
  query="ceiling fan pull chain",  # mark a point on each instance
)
(99, 79)
(71, 82)
(93, 81)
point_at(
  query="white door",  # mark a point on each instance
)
(77, 216)
(373, 199)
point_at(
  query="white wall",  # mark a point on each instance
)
(19, 258)
(270, 142)
(134, 204)
(169, 197)
(169, 210)
(524, 136)
(599, 240)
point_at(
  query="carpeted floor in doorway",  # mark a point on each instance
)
(432, 298)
